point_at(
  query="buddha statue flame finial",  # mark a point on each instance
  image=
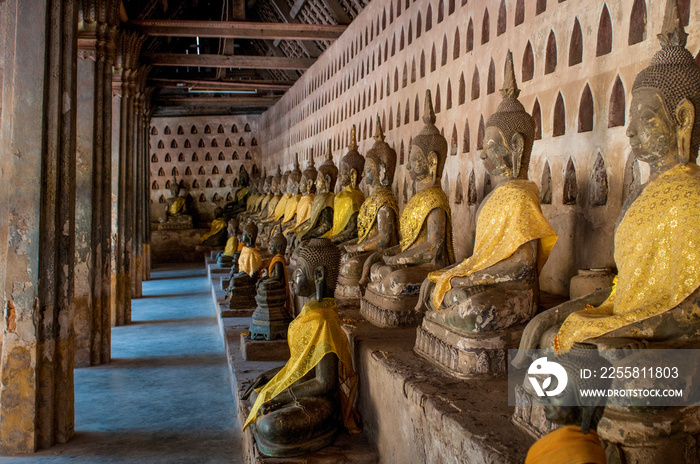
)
(428, 112)
(329, 152)
(378, 131)
(296, 161)
(672, 33)
(353, 140)
(510, 86)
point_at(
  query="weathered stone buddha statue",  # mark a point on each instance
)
(320, 219)
(377, 220)
(225, 258)
(307, 189)
(272, 221)
(301, 407)
(241, 290)
(240, 196)
(176, 214)
(261, 209)
(275, 189)
(656, 300)
(217, 236)
(290, 210)
(477, 309)
(347, 202)
(425, 235)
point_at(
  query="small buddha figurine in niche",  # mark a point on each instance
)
(496, 289)
(278, 213)
(425, 235)
(225, 258)
(307, 189)
(377, 219)
(217, 236)
(301, 406)
(347, 202)
(176, 213)
(240, 196)
(320, 219)
(241, 289)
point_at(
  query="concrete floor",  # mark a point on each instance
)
(166, 396)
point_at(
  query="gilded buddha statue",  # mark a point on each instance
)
(477, 309)
(300, 407)
(176, 214)
(271, 222)
(376, 221)
(656, 299)
(217, 236)
(264, 200)
(275, 189)
(320, 219)
(244, 276)
(290, 209)
(347, 202)
(240, 196)
(307, 189)
(425, 229)
(225, 258)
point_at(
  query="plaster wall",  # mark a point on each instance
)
(213, 159)
(369, 73)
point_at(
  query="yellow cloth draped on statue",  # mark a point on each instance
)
(280, 259)
(369, 209)
(321, 202)
(291, 209)
(314, 333)
(177, 206)
(510, 218)
(249, 261)
(281, 207)
(657, 253)
(303, 211)
(250, 203)
(567, 445)
(242, 193)
(262, 207)
(217, 225)
(231, 246)
(271, 207)
(416, 212)
(347, 202)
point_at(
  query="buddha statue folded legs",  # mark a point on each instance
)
(478, 308)
(426, 236)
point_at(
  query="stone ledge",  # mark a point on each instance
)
(263, 350)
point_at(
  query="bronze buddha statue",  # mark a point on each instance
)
(320, 219)
(376, 222)
(425, 235)
(176, 213)
(268, 225)
(300, 407)
(225, 258)
(307, 189)
(477, 309)
(244, 276)
(347, 202)
(217, 236)
(275, 189)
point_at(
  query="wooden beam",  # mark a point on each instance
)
(309, 46)
(337, 11)
(238, 29)
(224, 85)
(228, 61)
(238, 100)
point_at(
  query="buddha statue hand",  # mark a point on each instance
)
(269, 406)
(259, 381)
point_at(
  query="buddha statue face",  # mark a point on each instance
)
(422, 168)
(249, 234)
(278, 244)
(317, 271)
(175, 189)
(233, 227)
(371, 172)
(275, 187)
(498, 156)
(323, 183)
(304, 185)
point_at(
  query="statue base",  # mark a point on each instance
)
(466, 355)
(257, 350)
(297, 449)
(176, 224)
(242, 297)
(389, 311)
(528, 414)
(348, 289)
(270, 320)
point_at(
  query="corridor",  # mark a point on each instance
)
(166, 395)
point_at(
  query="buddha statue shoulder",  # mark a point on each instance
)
(347, 202)
(320, 220)
(240, 196)
(301, 406)
(656, 298)
(377, 219)
(425, 229)
(217, 236)
(497, 287)
(307, 189)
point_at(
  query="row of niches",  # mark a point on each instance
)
(202, 171)
(202, 198)
(208, 184)
(213, 143)
(636, 33)
(206, 130)
(207, 157)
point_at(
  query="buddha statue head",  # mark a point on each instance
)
(308, 178)
(278, 244)
(255, 182)
(233, 227)
(510, 132)
(426, 159)
(175, 188)
(284, 181)
(665, 96)
(249, 234)
(243, 177)
(267, 181)
(381, 160)
(318, 263)
(276, 181)
(218, 212)
(352, 164)
(294, 178)
(328, 174)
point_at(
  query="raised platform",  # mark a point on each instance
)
(263, 350)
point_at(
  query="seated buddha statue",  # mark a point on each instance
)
(292, 203)
(320, 219)
(377, 219)
(307, 189)
(244, 276)
(268, 224)
(217, 236)
(347, 202)
(300, 407)
(240, 196)
(425, 235)
(176, 213)
(485, 300)
(265, 197)
(225, 258)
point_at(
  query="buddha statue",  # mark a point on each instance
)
(272, 221)
(307, 189)
(320, 219)
(425, 235)
(225, 258)
(300, 407)
(290, 210)
(243, 277)
(217, 236)
(254, 195)
(347, 202)
(477, 309)
(261, 209)
(376, 222)
(276, 192)
(176, 214)
(240, 196)
(655, 301)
